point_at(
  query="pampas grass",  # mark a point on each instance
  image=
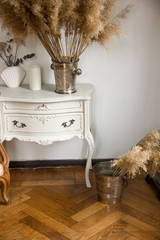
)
(81, 22)
(144, 157)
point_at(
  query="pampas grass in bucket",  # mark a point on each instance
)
(109, 187)
(65, 28)
(142, 159)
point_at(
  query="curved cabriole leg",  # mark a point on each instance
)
(5, 178)
(4, 190)
(90, 140)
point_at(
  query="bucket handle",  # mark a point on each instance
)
(125, 182)
(77, 71)
(52, 66)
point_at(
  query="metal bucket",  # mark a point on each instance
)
(109, 187)
(65, 76)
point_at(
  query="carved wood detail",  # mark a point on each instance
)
(43, 118)
(5, 178)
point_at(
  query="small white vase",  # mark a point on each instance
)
(13, 76)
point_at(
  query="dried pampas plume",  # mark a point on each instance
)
(81, 21)
(144, 157)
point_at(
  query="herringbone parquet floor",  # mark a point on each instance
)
(55, 204)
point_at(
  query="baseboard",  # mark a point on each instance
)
(52, 163)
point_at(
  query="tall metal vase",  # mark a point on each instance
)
(65, 76)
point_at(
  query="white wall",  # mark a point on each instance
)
(126, 100)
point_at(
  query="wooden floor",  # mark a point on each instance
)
(55, 204)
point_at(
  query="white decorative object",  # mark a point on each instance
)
(45, 117)
(1, 170)
(13, 76)
(35, 77)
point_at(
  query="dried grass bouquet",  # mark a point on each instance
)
(144, 157)
(8, 53)
(81, 22)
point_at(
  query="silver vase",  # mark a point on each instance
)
(65, 76)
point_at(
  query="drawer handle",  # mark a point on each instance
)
(19, 125)
(69, 123)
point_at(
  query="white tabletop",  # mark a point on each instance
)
(46, 94)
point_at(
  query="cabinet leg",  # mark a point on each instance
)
(90, 141)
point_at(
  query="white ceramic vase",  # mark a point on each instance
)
(13, 76)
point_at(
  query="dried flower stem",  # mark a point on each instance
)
(4, 60)
(8, 53)
(16, 53)
(46, 46)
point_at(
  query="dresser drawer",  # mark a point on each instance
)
(44, 124)
(44, 108)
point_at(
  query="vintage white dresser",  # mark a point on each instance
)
(45, 117)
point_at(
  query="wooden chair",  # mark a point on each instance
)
(4, 173)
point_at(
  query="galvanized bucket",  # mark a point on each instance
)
(65, 76)
(109, 187)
